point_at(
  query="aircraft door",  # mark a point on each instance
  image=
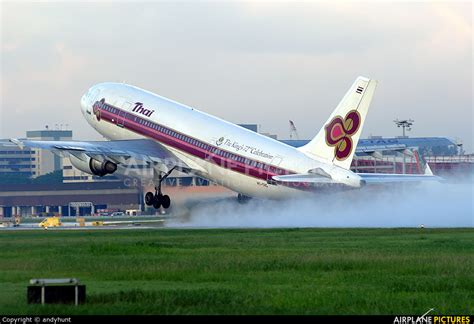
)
(273, 169)
(125, 108)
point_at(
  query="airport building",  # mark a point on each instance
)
(32, 162)
(257, 129)
(47, 161)
(68, 199)
(17, 162)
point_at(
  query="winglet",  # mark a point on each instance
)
(428, 171)
(17, 142)
(421, 160)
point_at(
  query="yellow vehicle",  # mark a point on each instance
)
(17, 221)
(50, 222)
(81, 221)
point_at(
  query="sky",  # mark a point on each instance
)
(247, 62)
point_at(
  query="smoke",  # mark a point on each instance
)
(427, 204)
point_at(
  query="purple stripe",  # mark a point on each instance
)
(197, 151)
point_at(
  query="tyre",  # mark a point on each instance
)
(166, 201)
(157, 203)
(242, 199)
(149, 198)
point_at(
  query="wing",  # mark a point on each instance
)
(117, 151)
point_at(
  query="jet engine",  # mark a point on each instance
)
(93, 166)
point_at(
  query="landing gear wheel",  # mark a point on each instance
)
(242, 199)
(165, 201)
(149, 198)
(158, 199)
(157, 202)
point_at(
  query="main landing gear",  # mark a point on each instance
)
(158, 199)
(242, 199)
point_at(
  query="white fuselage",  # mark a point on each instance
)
(225, 153)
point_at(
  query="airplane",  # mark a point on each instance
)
(169, 136)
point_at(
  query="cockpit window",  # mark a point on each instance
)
(93, 96)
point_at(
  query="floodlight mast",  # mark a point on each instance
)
(405, 124)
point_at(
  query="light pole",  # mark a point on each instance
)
(404, 124)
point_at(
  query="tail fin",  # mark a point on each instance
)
(337, 140)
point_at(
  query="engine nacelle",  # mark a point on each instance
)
(93, 166)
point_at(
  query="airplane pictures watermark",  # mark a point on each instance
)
(433, 319)
(135, 172)
(411, 319)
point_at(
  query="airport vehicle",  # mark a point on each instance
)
(117, 214)
(50, 222)
(171, 136)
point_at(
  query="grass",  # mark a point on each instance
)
(251, 271)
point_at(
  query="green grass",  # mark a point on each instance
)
(275, 271)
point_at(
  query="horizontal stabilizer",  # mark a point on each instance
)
(304, 178)
(372, 178)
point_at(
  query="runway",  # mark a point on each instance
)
(92, 223)
(78, 228)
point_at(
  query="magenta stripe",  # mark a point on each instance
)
(198, 151)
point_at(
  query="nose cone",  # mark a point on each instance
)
(87, 100)
(84, 103)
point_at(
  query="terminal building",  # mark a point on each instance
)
(67, 199)
(32, 162)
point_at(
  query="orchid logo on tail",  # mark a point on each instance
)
(339, 134)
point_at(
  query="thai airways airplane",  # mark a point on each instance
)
(171, 136)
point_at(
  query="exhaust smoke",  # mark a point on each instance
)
(427, 205)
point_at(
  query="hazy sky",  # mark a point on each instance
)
(247, 62)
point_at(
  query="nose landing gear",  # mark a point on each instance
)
(157, 199)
